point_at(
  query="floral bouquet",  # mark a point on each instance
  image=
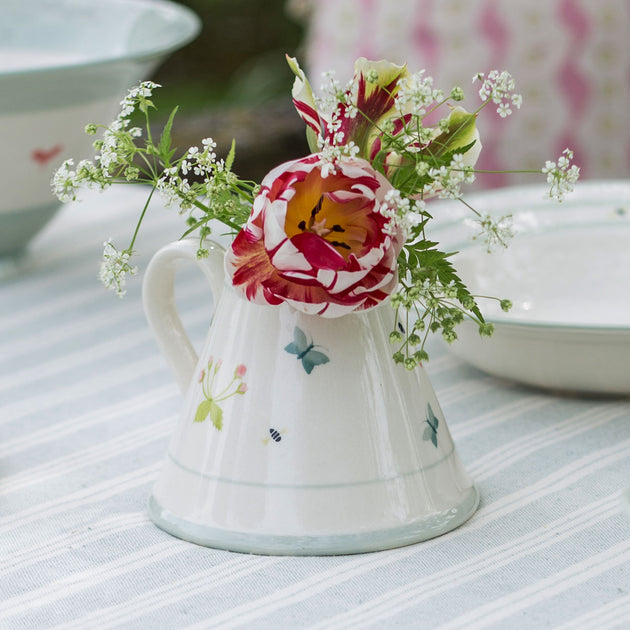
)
(344, 228)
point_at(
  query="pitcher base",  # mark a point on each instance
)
(315, 545)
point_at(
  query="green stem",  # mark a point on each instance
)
(435, 107)
(144, 211)
(206, 211)
(146, 116)
(221, 394)
(528, 171)
(462, 200)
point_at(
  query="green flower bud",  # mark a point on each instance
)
(506, 305)
(90, 129)
(132, 173)
(398, 357)
(422, 168)
(486, 329)
(450, 292)
(421, 355)
(449, 335)
(410, 363)
(388, 126)
(457, 94)
(395, 336)
(414, 293)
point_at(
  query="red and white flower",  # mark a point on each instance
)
(317, 243)
(384, 96)
(375, 99)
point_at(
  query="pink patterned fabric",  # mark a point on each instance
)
(570, 59)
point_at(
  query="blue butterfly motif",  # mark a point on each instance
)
(305, 351)
(430, 432)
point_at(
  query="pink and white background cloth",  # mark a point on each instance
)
(570, 59)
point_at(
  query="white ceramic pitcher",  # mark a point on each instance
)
(299, 435)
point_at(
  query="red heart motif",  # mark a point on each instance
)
(43, 156)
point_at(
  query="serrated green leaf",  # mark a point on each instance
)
(203, 410)
(422, 254)
(164, 146)
(216, 415)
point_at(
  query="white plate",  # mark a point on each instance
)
(567, 272)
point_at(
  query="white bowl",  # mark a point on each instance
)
(567, 272)
(63, 64)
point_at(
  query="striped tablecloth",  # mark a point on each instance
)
(87, 406)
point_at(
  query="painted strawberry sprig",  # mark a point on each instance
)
(215, 393)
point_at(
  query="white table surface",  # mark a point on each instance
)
(87, 405)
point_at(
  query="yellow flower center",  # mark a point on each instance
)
(344, 225)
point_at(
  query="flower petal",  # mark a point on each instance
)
(319, 252)
(303, 99)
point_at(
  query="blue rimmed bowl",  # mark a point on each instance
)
(567, 272)
(63, 64)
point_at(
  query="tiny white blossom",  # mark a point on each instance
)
(137, 95)
(494, 232)
(402, 213)
(447, 180)
(418, 92)
(504, 110)
(561, 176)
(330, 152)
(65, 183)
(499, 88)
(114, 268)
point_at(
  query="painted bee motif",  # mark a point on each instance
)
(274, 435)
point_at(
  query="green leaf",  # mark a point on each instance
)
(203, 410)
(216, 415)
(423, 256)
(164, 145)
(311, 139)
(459, 138)
(229, 160)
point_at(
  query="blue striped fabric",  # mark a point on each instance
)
(86, 409)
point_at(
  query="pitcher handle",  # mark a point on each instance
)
(158, 297)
